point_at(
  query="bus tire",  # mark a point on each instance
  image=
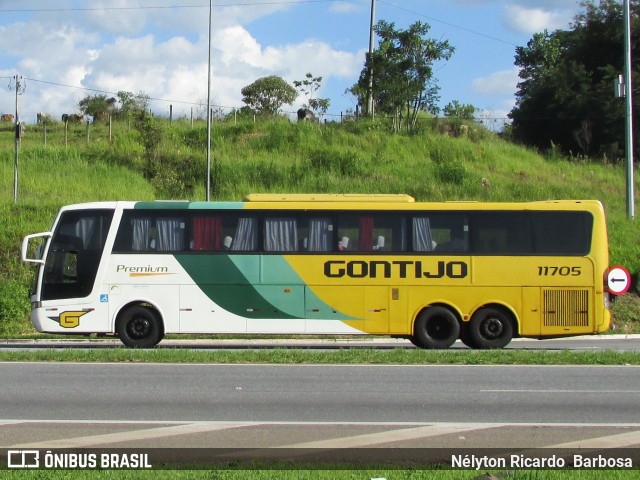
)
(465, 338)
(436, 328)
(139, 327)
(490, 328)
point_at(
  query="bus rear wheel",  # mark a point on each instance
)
(436, 327)
(489, 328)
(139, 327)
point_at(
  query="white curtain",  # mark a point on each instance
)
(141, 234)
(320, 235)
(170, 234)
(246, 237)
(280, 235)
(422, 241)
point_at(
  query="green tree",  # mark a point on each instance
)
(97, 106)
(151, 133)
(565, 96)
(132, 103)
(459, 111)
(402, 68)
(267, 95)
(308, 88)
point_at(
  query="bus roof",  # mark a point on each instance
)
(262, 201)
(329, 197)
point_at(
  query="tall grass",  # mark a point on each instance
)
(439, 163)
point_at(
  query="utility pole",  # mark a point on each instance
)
(371, 42)
(19, 86)
(208, 195)
(628, 111)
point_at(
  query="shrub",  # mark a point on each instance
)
(447, 168)
(324, 160)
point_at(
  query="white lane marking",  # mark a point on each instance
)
(619, 440)
(145, 434)
(397, 435)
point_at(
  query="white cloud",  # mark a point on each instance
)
(173, 68)
(344, 7)
(529, 20)
(503, 82)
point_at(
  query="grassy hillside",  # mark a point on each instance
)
(435, 164)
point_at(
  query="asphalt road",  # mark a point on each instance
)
(318, 393)
(367, 414)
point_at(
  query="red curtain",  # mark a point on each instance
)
(207, 233)
(365, 240)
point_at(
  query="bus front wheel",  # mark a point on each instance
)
(436, 327)
(489, 328)
(139, 327)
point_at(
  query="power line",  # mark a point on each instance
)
(449, 24)
(97, 90)
(243, 4)
(157, 7)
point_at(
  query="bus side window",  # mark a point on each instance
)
(315, 234)
(147, 233)
(280, 234)
(422, 238)
(170, 232)
(502, 234)
(243, 232)
(355, 232)
(441, 233)
(206, 233)
(372, 232)
(574, 239)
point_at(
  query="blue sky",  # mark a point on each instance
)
(68, 49)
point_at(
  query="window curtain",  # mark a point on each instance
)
(170, 234)
(422, 241)
(319, 235)
(207, 233)
(365, 239)
(280, 235)
(84, 230)
(141, 237)
(246, 237)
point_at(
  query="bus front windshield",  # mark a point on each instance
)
(74, 254)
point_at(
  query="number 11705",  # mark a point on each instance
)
(564, 271)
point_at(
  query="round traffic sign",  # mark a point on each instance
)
(618, 280)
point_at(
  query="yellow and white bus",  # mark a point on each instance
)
(324, 264)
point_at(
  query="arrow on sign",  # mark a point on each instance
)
(618, 280)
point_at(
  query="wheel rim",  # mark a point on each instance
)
(492, 328)
(139, 327)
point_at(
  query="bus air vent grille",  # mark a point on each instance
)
(566, 308)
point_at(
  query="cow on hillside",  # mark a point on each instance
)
(42, 117)
(306, 114)
(71, 117)
(6, 117)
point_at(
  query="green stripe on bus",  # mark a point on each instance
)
(233, 282)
